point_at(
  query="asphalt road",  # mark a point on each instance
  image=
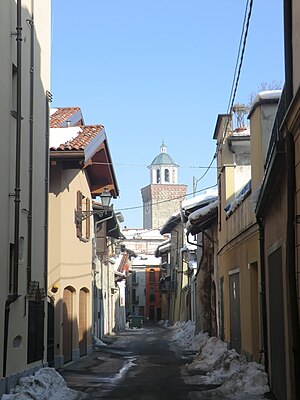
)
(136, 365)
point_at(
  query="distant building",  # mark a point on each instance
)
(163, 196)
(142, 241)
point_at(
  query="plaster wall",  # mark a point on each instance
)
(18, 316)
(70, 259)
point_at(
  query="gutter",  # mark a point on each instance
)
(31, 134)
(14, 296)
(264, 350)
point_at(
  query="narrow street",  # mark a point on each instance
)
(138, 364)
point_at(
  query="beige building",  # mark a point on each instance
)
(24, 82)
(278, 211)
(80, 170)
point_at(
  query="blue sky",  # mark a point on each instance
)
(160, 70)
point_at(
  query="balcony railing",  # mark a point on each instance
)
(276, 139)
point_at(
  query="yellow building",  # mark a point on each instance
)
(80, 170)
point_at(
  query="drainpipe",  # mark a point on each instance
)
(47, 160)
(13, 297)
(31, 133)
(263, 293)
(290, 259)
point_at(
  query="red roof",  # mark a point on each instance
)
(82, 139)
(63, 115)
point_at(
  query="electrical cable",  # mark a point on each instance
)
(236, 75)
(164, 201)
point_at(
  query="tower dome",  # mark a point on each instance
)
(163, 158)
(163, 169)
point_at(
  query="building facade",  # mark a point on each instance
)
(24, 84)
(77, 176)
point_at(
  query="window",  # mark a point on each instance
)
(151, 294)
(152, 276)
(167, 175)
(83, 225)
(157, 176)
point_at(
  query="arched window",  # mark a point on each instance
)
(157, 176)
(167, 175)
(152, 276)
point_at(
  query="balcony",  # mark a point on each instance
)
(276, 144)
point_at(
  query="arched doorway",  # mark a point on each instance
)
(82, 323)
(68, 323)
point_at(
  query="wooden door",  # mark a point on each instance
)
(67, 324)
(83, 322)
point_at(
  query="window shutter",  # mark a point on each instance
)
(79, 208)
(88, 220)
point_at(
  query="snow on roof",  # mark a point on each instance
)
(231, 207)
(265, 96)
(60, 136)
(142, 234)
(201, 212)
(197, 200)
(241, 132)
(143, 260)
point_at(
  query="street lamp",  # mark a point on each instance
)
(105, 197)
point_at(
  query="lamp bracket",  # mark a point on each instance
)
(82, 215)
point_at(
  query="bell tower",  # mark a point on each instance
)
(163, 196)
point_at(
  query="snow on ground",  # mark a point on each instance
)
(46, 383)
(237, 377)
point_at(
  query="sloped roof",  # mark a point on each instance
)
(82, 146)
(65, 116)
(78, 139)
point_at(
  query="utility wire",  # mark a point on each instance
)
(235, 82)
(144, 165)
(236, 75)
(164, 201)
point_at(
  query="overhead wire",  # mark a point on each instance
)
(235, 82)
(236, 75)
(164, 201)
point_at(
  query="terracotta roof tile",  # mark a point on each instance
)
(63, 114)
(82, 139)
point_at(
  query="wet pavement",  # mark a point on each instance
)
(136, 364)
(142, 364)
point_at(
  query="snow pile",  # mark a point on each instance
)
(218, 365)
(98, 342)
(184, 336)
(46, 383)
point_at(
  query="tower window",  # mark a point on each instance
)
(167, 175)
(157, 176)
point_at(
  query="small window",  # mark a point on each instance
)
(157, 176)
(167, 175)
